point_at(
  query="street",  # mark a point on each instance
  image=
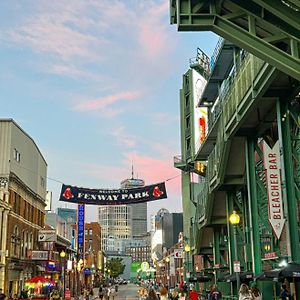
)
(127, 292)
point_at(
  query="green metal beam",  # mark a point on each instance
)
(242, 38)
(284, 24)
(283, 120)
(253, 206)
(204, 20)
(283, 12)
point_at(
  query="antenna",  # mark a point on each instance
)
(132, 171)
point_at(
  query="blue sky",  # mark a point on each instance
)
(96, 85)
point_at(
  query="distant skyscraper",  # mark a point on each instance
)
(123, 221)
(69, 214)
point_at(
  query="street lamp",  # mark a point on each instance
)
(62, 254)
(187, 250)
(167, 260)
(234, 220)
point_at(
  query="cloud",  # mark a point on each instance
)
(104, 102)
(154, 37)
(155, 169)
(123, 137)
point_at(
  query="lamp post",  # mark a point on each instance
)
(62, 256)
(234, 220)
(167, 259)
(187, 250)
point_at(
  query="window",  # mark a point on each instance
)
(15, 242)
(90, 231)
(17, 155)
(42, 182)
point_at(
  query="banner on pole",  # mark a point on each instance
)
(76, 194)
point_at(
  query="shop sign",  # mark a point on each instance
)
(270, 255)
(274, 192)
(47, 236)
(38, 255)
(80, 230)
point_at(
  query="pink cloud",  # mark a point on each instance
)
(123, 137)
(104, 102)
(153, 170)
(153, 36)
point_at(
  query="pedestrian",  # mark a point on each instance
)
(256, 294)
(284, 295)
(112, 292)
(101, 292)
(244, 292)
(182, 296)
(164, 294)
(193, 294)
(2, 295)
(174, 295)
(215, 293)
(55, 294)
(152, 295)
(90, 295)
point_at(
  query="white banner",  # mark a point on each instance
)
(47, 236)
(273, 181)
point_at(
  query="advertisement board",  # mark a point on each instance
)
(200, 113)
(80, 230)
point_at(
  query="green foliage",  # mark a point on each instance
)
(115, 267)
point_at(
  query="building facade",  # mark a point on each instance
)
(242, 214)
(123, 221)
(23, 172)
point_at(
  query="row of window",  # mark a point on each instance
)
(20, 243)
(26, 210)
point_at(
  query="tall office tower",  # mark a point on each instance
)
(123, 221)
(138, 211)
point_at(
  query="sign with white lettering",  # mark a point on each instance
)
(273, 181)
(111, 197)
(80, 230)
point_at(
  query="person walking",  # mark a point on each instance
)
(244, 292)
(284, 295)
(194, 294)
(113, 292)
(152, 295)
(2, 295)
(214, 294)
(164, 294)
(256, 294)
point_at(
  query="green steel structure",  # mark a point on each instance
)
(252, 98)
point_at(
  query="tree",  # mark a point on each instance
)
(115, 267)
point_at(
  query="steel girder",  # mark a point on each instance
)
(270, 29)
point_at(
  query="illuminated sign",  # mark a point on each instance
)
(200, 168)
(80, 230)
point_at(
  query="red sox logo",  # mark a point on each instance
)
(157, 192)
(68, 194)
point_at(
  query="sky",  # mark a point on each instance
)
(96, 84)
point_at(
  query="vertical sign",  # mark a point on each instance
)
(273, 181)
(80, 230)
(200, 113)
